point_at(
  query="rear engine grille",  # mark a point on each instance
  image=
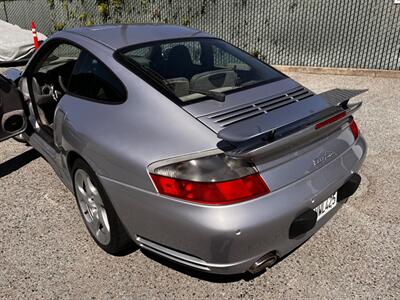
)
(262, 107)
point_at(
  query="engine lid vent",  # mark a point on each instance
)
(226, 118)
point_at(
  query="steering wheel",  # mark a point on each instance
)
(49, 91)
(61, 83)
(46, 93)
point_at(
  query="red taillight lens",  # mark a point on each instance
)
(330, 120)
(213, 193)
(354, 129)
(214, 179)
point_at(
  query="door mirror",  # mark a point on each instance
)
(13, 120)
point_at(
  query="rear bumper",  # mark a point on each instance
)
(229, 239)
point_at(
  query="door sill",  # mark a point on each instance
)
(47, 134)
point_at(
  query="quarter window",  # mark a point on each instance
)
(92, 79)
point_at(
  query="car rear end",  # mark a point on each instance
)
(254, 199)
(284, 162)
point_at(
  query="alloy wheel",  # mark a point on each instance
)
(92, 207)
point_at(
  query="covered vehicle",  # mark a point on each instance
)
(184, 145)
(16, 44)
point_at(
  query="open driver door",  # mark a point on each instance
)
(13, 119)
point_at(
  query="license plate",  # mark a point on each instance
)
(326, 206)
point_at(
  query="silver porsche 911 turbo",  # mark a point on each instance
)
(184, 145)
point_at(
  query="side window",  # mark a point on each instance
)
(62, 54)
(92, 79)
(55, 66)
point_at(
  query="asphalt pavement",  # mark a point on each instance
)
(45, 251)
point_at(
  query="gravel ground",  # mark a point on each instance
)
(47, 253)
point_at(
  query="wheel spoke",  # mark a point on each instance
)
(104, 219)
(100, 236)
(94, 224)
(81, 191)
(90, 188)
(79, 185)
(97, 199)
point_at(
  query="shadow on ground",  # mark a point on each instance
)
(18, 162)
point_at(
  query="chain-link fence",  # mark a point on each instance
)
(335, 33)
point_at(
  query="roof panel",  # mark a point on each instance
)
(121, 35)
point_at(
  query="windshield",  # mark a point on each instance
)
(200, 67)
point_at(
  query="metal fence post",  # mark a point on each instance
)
(5, 10)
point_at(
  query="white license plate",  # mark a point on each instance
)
(326, 206)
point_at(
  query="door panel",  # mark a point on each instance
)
(13, 119)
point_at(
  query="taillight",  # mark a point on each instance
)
(216, 193)
(353, 125)
(330, 120)
(354, 129)
(213, 180)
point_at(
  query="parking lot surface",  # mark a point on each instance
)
(45, 251)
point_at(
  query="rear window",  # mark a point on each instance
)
(192, 66)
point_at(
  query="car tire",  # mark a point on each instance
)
(98, 213)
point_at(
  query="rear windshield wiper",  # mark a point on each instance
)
(212, 94)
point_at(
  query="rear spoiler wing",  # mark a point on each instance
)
(313, 119)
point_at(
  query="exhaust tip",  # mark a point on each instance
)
(265, 261)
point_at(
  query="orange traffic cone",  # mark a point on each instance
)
(35, 38)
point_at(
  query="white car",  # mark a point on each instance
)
(16, 44)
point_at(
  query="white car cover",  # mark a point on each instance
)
(16, 44)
